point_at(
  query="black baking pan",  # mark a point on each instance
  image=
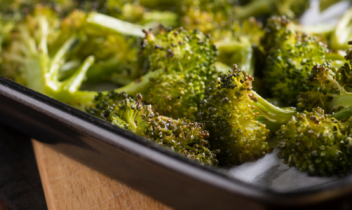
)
(153, 170)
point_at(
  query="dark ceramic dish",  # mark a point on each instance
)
(155, 171)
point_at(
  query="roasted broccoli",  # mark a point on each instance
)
(290, 56)
(115, 52)
(63, 48)
(49, 59)
(234, 42)
(333, 91)
(230, 111)
(213, 15)
(233, 38)
(317, 143)
(180, 135)
(181, 64)
(29, 61)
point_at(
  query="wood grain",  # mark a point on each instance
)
(70, 185)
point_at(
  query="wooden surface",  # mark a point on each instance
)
(70, 185)
(3, 205)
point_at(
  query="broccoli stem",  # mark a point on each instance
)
(344, 100)
(45, 33)
(222, 68)
(34, 77)
(159, 4)
(80, 99)
(254, 8)
(237, 52)
(139, 86)
(75, 81)
(68, 68)
(111, 70)
(101, 70)
(52, 74)
(166, 18)
(343, 114)
(272, 126)
(270, 112)
(115, 25)
(324, 29)
(324, 4)
(334, 56)
(68, 91)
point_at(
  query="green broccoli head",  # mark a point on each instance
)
(116, 54)
(290, 57)
(180, 135)
(33, 63)
(230, 118)
(181, 63)
(48, 43)
(316, 143)
(178, 50)
(333, 91)
(33, 35)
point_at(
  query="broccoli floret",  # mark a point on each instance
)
(212, 15)
(180, 135)
(181, 64)
(38, 68)
(234, 43)
(230, 119)
(317, 143)
(290, 55)
(116, 55)
(233, 38)
(333, 91)
(48, 59)
(230, 111)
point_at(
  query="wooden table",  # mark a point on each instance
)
(69, 184)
